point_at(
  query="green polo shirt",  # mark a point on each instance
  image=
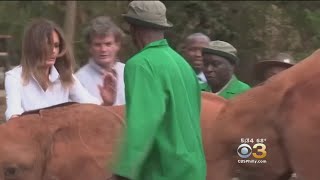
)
(233, 88)
(162, 139)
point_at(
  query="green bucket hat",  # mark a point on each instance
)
(147, 13)
(222, 49)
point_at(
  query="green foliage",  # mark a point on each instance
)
(16, 14)
(313, 18)
(258, 29)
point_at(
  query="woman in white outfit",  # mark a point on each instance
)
(45, 75)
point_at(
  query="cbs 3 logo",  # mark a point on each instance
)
(245, 150)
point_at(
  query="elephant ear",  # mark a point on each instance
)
(84, 138)
(211, 105)
(30, 141)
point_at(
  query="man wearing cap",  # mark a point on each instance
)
(162, 138)
(192, 52)
(268, 68)
(220, 59)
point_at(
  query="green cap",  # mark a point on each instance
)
(222, 49)
(147, 13)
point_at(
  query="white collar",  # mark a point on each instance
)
(202, 77)
(98, 68)
(54, 74)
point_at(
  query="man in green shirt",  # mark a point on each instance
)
(220, 59)
(162, 139)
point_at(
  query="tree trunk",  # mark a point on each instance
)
(69, 20)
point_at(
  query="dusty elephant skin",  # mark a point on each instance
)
(75, 141)
(284, 111)
(70, 142)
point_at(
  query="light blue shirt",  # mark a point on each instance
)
(91, 75)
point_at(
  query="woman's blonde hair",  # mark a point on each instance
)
(37, 47)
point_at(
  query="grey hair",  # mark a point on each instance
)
(102, 26)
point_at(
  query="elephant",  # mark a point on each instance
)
(283, 112)
(76, 141)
